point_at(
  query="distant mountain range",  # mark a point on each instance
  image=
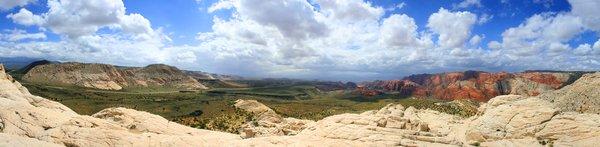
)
(110, 77)
(13, 63)
(474, 85)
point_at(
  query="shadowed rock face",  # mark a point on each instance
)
(34, 64)
(109, 77)
(475, 85)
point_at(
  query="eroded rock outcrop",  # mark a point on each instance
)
(581, 96)
(109, 77)
(393, 125)
(268, 123)
(540, 118)
(533, 119)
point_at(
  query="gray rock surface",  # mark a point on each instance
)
(268, 123)
(581, 96)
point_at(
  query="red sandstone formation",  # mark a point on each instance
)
(554, 80)
(475, 85)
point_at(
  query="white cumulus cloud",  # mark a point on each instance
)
(80, 18)
(25, 17)
(400, 31)
(18, 35)
(453, 28)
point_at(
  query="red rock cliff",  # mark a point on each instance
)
(475, 85)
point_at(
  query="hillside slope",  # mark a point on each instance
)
(581, 96)
(215, 80)
(109, 77)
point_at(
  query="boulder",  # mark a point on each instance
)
(266, 122)
(511, 120)
(392, 125)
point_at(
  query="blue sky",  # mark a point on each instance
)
(314, 39)
(185, 18)
(160, 13)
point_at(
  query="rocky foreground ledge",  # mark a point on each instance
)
(567, 117)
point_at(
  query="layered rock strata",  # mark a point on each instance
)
(474, 85)
(109, 77)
